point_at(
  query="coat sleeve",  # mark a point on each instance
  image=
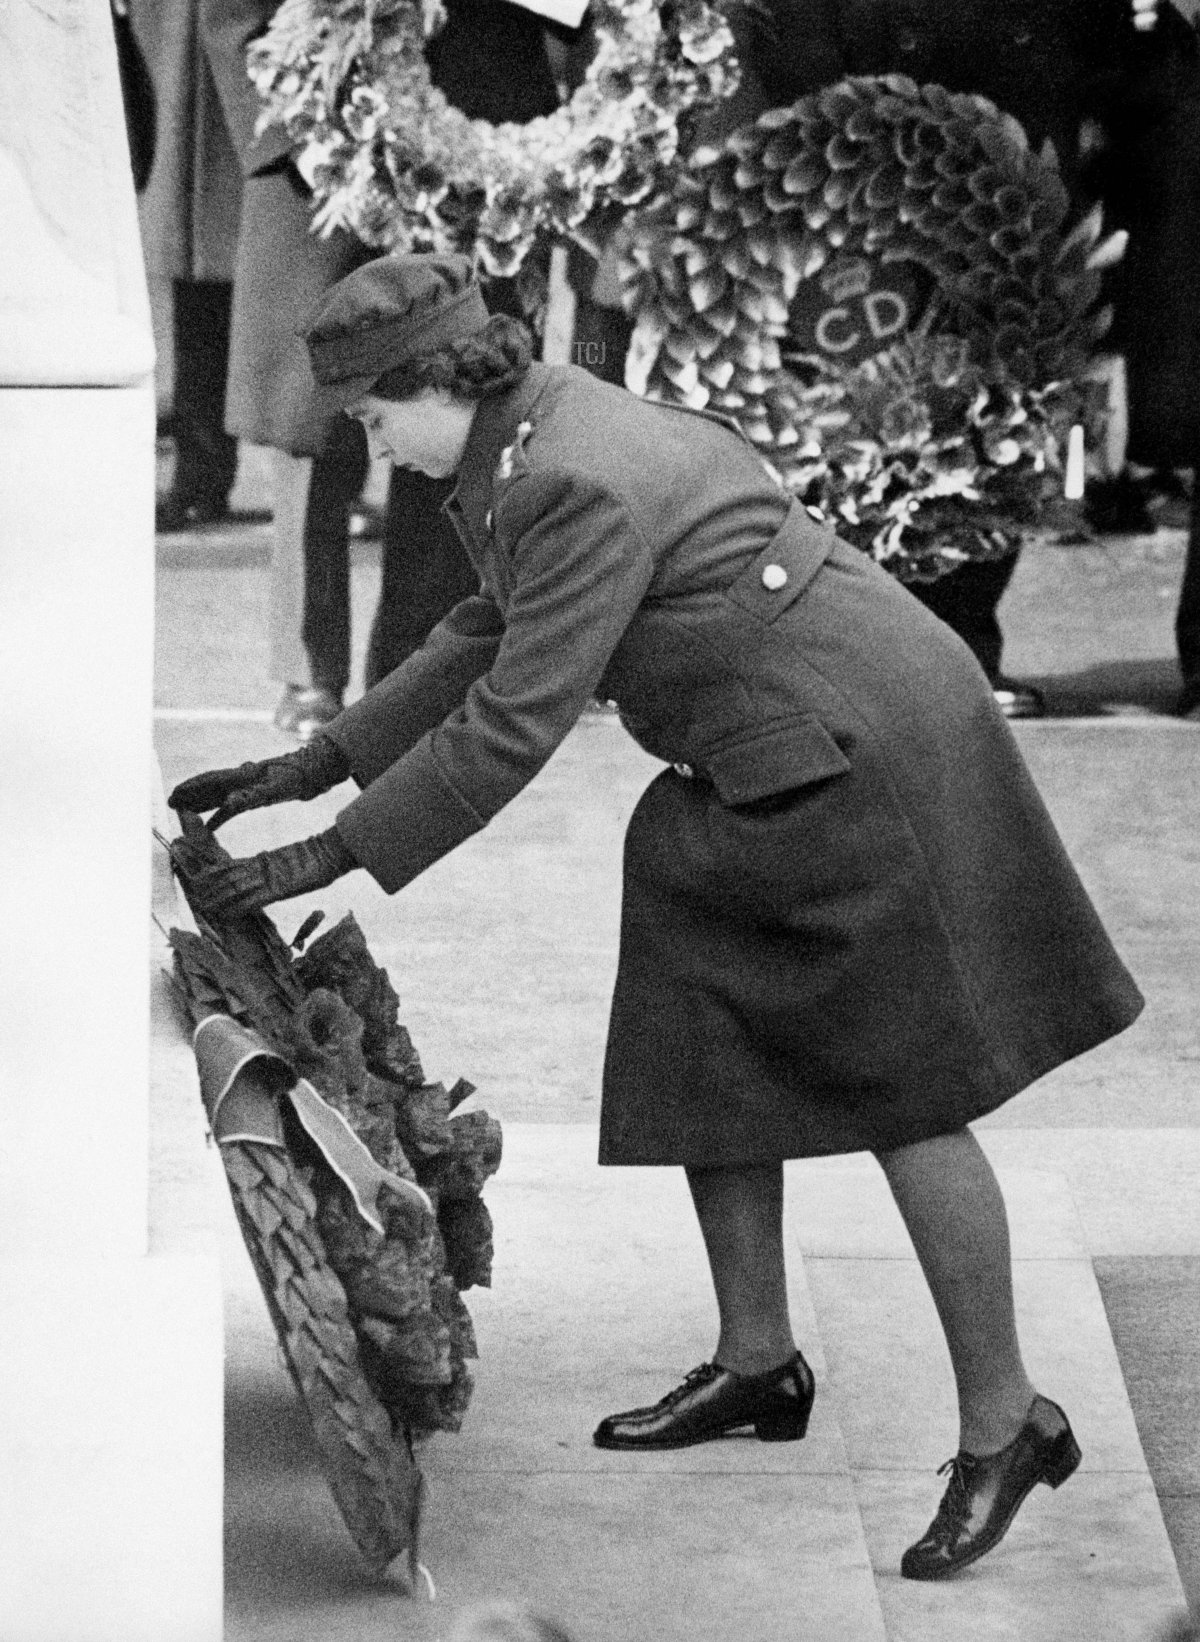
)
(580, 569)
(393, 716)
(226, 29)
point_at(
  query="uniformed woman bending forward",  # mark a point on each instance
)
(848, 922)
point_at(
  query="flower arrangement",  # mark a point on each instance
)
(360, 1203)
(924, 460)
(946, 446)
(403, 169)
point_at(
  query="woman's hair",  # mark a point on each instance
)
(492, 360)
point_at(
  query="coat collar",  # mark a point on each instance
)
(493, 427)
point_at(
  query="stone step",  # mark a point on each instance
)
(602, 1301)
(1092, 1559)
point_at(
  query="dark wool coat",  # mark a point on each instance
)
(1050, 63)
(1149, 179)
(282, 268)
(190, 208)
(491, 62)
(848, 920)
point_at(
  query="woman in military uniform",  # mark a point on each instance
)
(848, 922)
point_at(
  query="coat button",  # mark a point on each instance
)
(774, 577)
(684, 770)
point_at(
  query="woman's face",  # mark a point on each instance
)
(428, 433)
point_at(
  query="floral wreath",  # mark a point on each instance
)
(951, 443)
(403, 169)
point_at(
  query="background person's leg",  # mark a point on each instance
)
(205, 455)
(966, 600)
(338, 474)
(291, 477)
(952, 1206)
(426, 571)
(1187, 615)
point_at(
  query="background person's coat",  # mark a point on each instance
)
(282, 268)
(1149, 177)
(850, 923)
(190, 208)
(490, 60)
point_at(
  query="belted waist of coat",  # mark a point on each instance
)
(743, 755)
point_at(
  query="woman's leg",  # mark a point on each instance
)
(291, 478)
(951, 1203)
(741, 1219)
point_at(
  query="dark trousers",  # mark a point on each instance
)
(966, 601)
(205, 455)
(1187, 614)
(338, 475)
(426, 571)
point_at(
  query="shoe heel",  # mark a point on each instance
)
(1064, 1460)
(789, 1426)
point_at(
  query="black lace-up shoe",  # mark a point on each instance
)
(713, 1401)
(986, 1491)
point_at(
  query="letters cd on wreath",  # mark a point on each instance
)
(855, 308)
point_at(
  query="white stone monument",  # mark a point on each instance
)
(110, 1325)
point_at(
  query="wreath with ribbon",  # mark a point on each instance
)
(947, 443)
(357, 1185)
(400, 167)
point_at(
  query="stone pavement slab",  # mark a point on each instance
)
(1093, 1559)
(1154, 1312)
(890, 1373)
(1085, 1563)
(841, 1206)
(1136, 1191)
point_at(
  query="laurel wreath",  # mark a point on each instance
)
(403, 169)
(948, 446)
(371, 1324)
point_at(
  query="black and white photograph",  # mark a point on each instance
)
(600, 861)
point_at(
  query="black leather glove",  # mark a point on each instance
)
(237, 887)
(312, 769)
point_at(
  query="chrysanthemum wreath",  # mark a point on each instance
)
(950, 443)
(403, 169)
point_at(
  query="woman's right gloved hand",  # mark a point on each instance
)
(312, 769)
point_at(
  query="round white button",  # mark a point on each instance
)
(774, 577)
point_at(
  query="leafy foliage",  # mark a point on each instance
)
(404, 169)
(952, 439)
(923, 462)
(375, 1332)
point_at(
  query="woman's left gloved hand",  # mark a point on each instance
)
(237, 887)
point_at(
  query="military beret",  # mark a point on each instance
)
(385, 313)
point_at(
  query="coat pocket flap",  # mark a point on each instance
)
(775, 759)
